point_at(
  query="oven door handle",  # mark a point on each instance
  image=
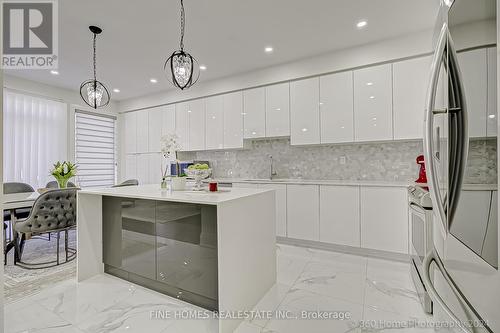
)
(431, 257)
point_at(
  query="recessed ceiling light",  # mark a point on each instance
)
(369, 83)
(203, 68)
(153, 80)
(54, 72)
(361, 24)
(268, 49)
(491, 116)
(304, 129)
(116, 90)
(189, 111)
(372, 97)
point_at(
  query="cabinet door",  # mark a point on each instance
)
(142, 131)
(336, 108)
(410, 89)
(182, 124)
(278, 110)
(303, 211)
(304, 112)
(154, 168)
(254, 113)
(373, 103)
(233, 120)
(280, 193)
(339, 215)
(168, 120)
(492, 128)
(155, 118)
(214, 121)
(384, 219)
(130, 167)
(130, 120)
(474, 72)
(143, 168)
(196, 114)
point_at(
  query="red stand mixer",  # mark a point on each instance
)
(422, 176)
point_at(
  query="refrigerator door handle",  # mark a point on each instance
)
(431, 257)
(437, 60)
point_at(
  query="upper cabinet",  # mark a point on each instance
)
(130, 122)
(254, 113)
(373, 103)
(492, 127)
(336, 108)
(473, 65)
(182, 124)
(214, 122)
(278, 110)
(142, 132)
(155, 117)
(233, 120)
(196, 115)
(168, 120)
(304, 112)
(409, 93)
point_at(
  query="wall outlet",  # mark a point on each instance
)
(343, 159)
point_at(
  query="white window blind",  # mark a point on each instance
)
(95, 149)
(35, 137)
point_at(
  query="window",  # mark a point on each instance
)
(95, 150)
(35, 137)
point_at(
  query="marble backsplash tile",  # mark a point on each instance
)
(386, 161)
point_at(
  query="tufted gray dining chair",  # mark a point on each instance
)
(53, 211)
(54, 184)
(128, 182)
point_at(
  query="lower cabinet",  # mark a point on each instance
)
(339, 215)
(384, 218)
(303, 212)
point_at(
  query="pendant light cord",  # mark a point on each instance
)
(183, 24)
(95, 59)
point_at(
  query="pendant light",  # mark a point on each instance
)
(182, 66)
(93, 92)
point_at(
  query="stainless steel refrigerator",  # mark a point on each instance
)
(460, 146)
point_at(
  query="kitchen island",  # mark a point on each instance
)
(215, 250)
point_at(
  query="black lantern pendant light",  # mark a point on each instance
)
(182, 66)
(93, 92)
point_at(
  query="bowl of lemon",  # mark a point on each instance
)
(198, 172)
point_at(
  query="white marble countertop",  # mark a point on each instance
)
(154, 192)
(344, 182)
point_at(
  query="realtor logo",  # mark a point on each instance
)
(29, 34)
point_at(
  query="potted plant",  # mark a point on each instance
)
(62, 172)
(170, 147)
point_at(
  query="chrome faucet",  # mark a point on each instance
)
(272, 172)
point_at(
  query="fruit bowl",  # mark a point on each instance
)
(198, 175)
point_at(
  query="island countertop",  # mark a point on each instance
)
(154, 192)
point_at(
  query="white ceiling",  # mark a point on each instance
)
(228, 36)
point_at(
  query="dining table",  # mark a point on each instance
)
(13, 201)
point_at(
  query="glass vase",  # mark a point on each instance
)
(62, 182)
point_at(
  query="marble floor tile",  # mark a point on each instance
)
(270, 302)
(295, 251)
(289, 267)
(376, 320)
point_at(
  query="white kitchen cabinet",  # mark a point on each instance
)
(130, 167)
(168, 120)
(196, 114)
(410, 80)
(304, 112)
(336, 108)
(278, 110)
(233, 120)
(473, 65)
(130, 120)
(373, 103)
(214, 122)
(142, 131)
(154, 168)
(254, 113)
(492, 126)
(143, 168)
(182, 124)
(303, 212)
(280, 197)
(384, 218)
(339, 215)
(155, 117)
